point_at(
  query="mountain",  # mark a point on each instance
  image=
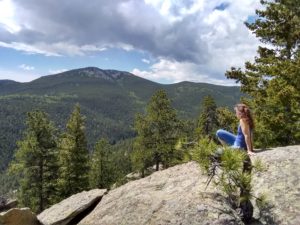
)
(108, 98)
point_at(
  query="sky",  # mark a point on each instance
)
(166, 41)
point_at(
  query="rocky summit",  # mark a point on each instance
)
(179, 196)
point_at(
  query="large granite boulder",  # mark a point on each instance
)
(18, 216)
(178, 196)
(73, 209)
(281, 184)
(173, 196)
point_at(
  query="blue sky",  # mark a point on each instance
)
(166, 41)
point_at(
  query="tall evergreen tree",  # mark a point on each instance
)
(74, 156)
(101, 173)
(165, 128)
(142, 156)
(36, 162)
(208, 120)
(158, 132)
(273, 79)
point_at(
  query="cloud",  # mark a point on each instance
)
(24, 76)
(7, 13)
(208, 34)
(146, 61)
(57, 49)
(173, 29)
(30, 49)
(165, 71)
(26, 67)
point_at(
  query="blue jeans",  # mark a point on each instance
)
(227, 137)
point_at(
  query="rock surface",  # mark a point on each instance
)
(70, 210)
(173, 196)
(281, 183)
(178, 196)
(16, 216)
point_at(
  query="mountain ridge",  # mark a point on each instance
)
(107, 72)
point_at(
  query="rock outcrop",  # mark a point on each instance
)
(173, 196)
(281, 184)
(72, 209)
(17, 216)
(177, 196)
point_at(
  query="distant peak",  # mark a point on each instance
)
(92, 72)
(99, 73)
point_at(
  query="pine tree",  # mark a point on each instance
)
(36, 163)
(273, 79)
(158, 132)
(101, 173)
(226, 119)
(208, 120)
(231, 171)
(142, 156)
(74, 156)
(165, 128)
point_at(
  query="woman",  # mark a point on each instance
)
(243, 139)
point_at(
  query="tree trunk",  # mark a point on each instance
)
(246, 206)
(157, 165)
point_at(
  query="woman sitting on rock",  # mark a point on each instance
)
(243, 139)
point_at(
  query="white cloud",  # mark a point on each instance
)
(228, 43)
(63, 48)
(56, 49)
(146, 61)
(7, 16)
(30, 49)
(92, 48)
(176, 10)
(166, 71)
(26, 67)
(24, 76)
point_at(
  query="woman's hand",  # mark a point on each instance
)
(250, 153)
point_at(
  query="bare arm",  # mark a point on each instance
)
(247, 134)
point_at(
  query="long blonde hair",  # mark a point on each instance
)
(245, 113)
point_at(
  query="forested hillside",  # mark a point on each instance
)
(109, 100)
